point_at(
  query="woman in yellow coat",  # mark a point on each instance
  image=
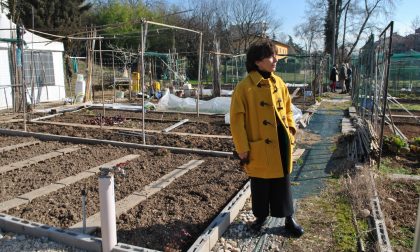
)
(263, 130)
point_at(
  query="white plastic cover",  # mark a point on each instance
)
(297, 114)
(170, 102)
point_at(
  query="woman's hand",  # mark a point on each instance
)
(243, 155)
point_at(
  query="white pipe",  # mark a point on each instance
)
(107, 208)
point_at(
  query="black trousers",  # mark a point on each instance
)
(271, 197)
(274, 196)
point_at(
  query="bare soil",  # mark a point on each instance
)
(172, 218)
(28, 152)
(10, 140)
(204, 124)
(217, 144)
(409, 130)
(17, 182)
(399, 202)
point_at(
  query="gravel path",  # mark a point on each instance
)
(11, 242)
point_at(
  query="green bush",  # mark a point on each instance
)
(394, 143)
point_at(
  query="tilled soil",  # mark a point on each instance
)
(217, 144)
(176, 216)
(137, 115)
(399, 202)
(409, 130)
(63, 207)
(10, 140)
(28, 152)
(21, 181)
(204, 124)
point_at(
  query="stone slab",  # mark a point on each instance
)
(9, 204)
(18, 146)
(40, 192)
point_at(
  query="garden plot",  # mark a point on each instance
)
(28, 152)
(173, 217)
(186, 140)
(204, 124)
(6, 141)
(177, 215)
(399, 202)
(20, 181)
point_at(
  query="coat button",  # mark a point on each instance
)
(259, 85)
(262, 103)
(280, 108)
(283, 117)
(279, 99)
(265, 122)
(268, 141)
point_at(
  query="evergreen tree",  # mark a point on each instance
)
(62, 16)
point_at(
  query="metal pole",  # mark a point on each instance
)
(84, 210)
(416, 246)
(113, 70)
(385, 97)
(143, 41)
(199, 73)
(334, 31)
(102, 82)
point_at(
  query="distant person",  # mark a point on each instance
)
(342, 76)
(263, 130)
(349, 78)
(333, 78)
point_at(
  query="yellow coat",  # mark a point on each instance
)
(253, 123)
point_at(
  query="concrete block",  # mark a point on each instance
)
(17, 225)
(40, 192)
(122, 247)
(69, 149)
(9, 204)
(128, 203)
(73, 179)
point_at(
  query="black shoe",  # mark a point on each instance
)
(292, 227)
(258, 223)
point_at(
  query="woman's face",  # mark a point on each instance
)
(267, 64)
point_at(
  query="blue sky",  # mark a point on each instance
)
(293, 12)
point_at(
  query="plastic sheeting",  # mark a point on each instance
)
(170, 102)
(297, 114)
(218, 105)
(223, 92)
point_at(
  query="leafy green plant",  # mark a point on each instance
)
(416, 141)
(394, 143)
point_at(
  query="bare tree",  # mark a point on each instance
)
(415, 23)
(251, 19)
(371, 9)
(310, 32)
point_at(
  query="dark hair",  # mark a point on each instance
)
(258, 51)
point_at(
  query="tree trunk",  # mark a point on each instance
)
(216, 69)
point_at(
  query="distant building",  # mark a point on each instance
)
(404, 44)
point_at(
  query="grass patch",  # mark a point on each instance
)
(327, 220)
(389, 167)
(409, 106)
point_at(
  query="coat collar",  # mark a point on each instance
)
(257, 78)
